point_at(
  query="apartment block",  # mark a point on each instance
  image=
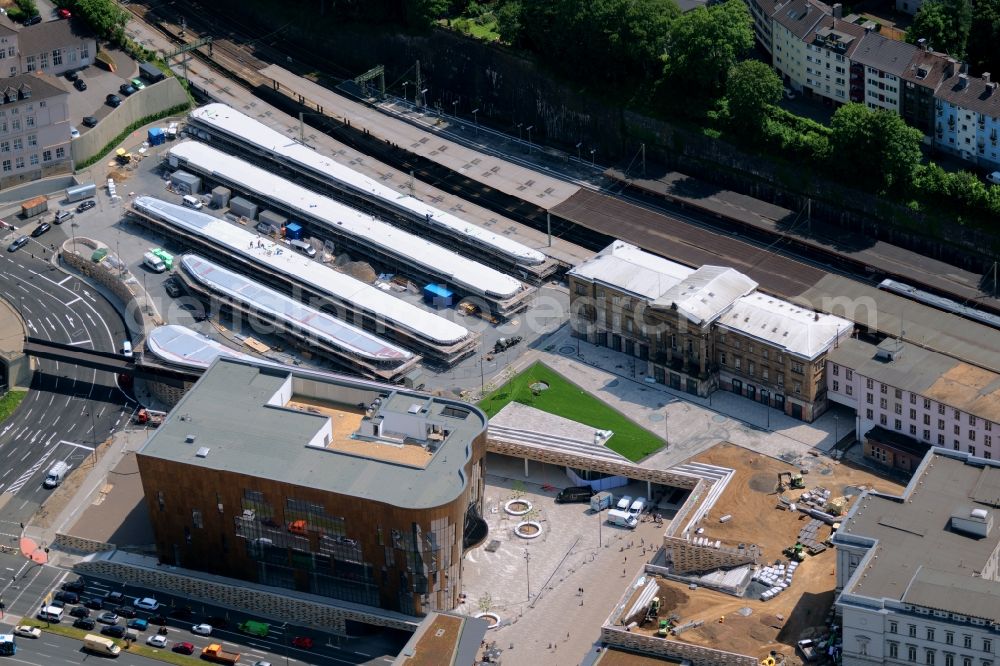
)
(921, 80)
(793, 21)
(881, 63)
(968, 118)
(52, 47)
(829, 49)
(700, 330)
(918, 575)
(34, 128)
(908, 399)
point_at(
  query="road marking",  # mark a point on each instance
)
(24, 478)
(64, 280)
(81, 342)
(78, 298)
(81, 446)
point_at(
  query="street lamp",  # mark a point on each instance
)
(519, 126)
(592, 151)
(529, 128)
(476, 119)
(405, 83)
(527, 559)
(578, 151)
(423, 98)
(454, 108)
(836, 430)
(766, 399)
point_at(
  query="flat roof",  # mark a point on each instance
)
(247, 130)
(778, 322)
(436, 260)
(306, 319)
(280, 258)
(181, 345)
(921, 559)
(443, 639)
(633, 270)
(243, 416)
(925, 372)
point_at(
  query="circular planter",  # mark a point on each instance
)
(517, 507)
(492, 618)
(529, 529)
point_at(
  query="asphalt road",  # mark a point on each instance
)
(69, 408)
(55, 649)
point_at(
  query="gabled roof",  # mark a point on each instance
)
(37, 85)
(705, 294)
(49, 35)
(800, 16)
(836, 35)
(630, 269)
(973, 94)
(798, 331)
(886, 55)
(928, 68)
(6, 28)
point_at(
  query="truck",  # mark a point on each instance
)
(602, 500)
(255, 628)
(101, 645)
(149, 417)
(622, 519)
(7, 645)
(214, 652)
(503, 344)
(56, 474)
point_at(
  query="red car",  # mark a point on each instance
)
(303, 642)
(64, 13)
(183, 648)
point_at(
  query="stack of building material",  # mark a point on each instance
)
(778, 576)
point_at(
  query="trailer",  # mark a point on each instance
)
(81, 192)
(34, 206)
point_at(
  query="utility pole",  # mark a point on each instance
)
(527, 560)
(302, 128)
(548, 226)
(643, 160)
(419, 88)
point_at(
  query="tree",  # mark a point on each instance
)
(423, 13)
(704, 44)
(984, 56)
(751, 89)
(106, 17)
(509, 22)
(945, 24)
(873, 147)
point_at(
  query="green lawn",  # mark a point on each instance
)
(9, 403)
(563, 398)
(140, 648)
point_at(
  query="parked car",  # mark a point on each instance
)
(624, 502)
(183, 648)
(137, 83)
(574, 494)
(87, 205)
(126, 89)
(89, 121)
(74, 133)
(17, 244)
(80, 611)
(157, 641)
(138, 624)
(33, 20)
(80, 85)
(108, 617)
(65, 595)
(27, 631)
(84, 623)
(994, 177)
(182, 612)
(112, 598)
(217, 622)
(113, 101)
(126, 611)
(60, 217)
(72, 76)
(302, 642)
(114, 630)
(173, 289)
(64, 13)
(147, 604)
(35, 233)
(790, 94)
(94, 603)
(157, 619)
(71, 585)
(202, 629)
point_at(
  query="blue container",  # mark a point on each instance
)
(293, 231)
(157, 136)
(438, 296)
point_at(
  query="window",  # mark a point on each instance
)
(913, 430)
(56, 57)
(929, 657)
(836, 370)
(836, 385)
(849, 389)
(987, 646)
(869, 415)
(84, 52)
(913, 630)
(958, 415)
(911, 653)
(958, 429)
(940, 424)
(4, 146)
(60, 153)
(966, 641)
(750, 368)
(722, 358)
(32, 139)
(46, 155)
(43, 61)
(883, 389)
(882, 403)
(850, 374)
(33, 159)
(899, 394)
(196, 519)
(6, 166)
(19, 162)
(898, 408)
(797, 387)
(987, 440)
(913, 398)
(869, 398)
(30, 66)
(940, 440)
(29, 121)
(869, 384)
(738, 362)
(949, 638)
(913, 414)
(927, 434)
(882, 419)
(927, 403)
(989, 426)
(18, 144)
(897, 424)
(949, 659)
(941, 409)
(797, 368)
(930, 633)
(972, 435)
(160, 500)
(972, 420)
(893, 627)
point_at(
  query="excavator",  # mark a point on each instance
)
(788, 480)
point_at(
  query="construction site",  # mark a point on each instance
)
(755, 574)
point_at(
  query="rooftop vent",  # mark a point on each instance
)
(963, 81)
(190, 438)
(414, 408)
(203, 452)
(974, 522)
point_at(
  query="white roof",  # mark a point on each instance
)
(468, 275)
(626, 267)
(280, 258)
(799, 331)
(707, 292)
(309, 320)
(183, 346)
(246, 130)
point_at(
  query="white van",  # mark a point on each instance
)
(101, 645)
(637, 507)
(303, 247)
(622, 519)
(153, 263)
(56, 474)
(624, 502)
(192, 201)
(50, 614)
(127, 349)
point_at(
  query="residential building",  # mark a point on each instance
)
(34, 129)
(9, 65)
(54, 47)
(829, 49)
(925, 396)
(698, 330)
(918, 575)
(762, 12)
(921, 80)
(882, 63)
(968, 118)
(792, 22)
(334, 486)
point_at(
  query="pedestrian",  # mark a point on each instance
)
(623, 573)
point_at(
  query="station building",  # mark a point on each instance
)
(338, 487)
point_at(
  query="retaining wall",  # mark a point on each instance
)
(664, 647)
(75, 544)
